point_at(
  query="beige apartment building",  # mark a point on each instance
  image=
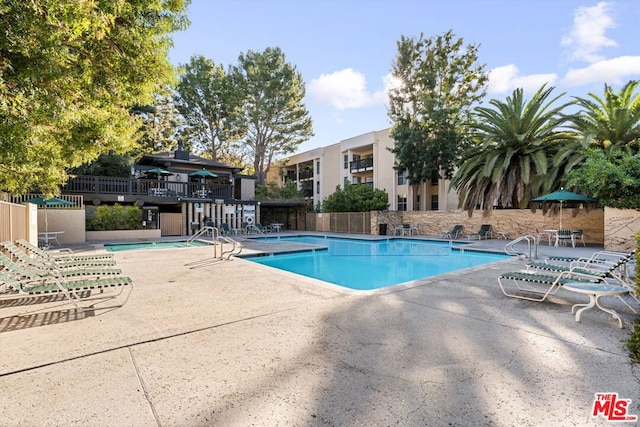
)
(364, 159)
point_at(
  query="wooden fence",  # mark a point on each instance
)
(14, 222)
(340, 222)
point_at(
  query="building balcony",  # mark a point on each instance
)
(110, 187)
(362, 165)
(300, 176)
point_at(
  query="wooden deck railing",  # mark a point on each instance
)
(146, 187)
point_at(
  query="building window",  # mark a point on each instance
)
(402, 202)
(346, 161)
(369, 181)
(317, 187)
(345, 181)
(434, 202)
(317, 168)
(417, 206)
(402, 177)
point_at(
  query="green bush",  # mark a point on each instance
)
(115, 217)
(356, 198)
(633, 344)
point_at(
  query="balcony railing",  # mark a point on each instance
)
(303, 174)
(146, 187)
(361, 165)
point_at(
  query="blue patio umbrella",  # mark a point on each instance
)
(52, 201)
(561, 196)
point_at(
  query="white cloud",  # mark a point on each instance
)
(343, 90)
(612, 71)
(587, 36)
(507, 78)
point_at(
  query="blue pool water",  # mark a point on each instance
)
(365, 265)
(118, 247)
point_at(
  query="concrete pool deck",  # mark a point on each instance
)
(233, 343)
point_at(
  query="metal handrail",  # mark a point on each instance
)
(217, 239)
(235, 244)
(509, 250)
(206, 230)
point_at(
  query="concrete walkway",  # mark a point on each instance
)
(233, 343)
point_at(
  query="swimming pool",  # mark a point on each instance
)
(366, 265)
(118, 247)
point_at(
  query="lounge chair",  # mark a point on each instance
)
(601, 271)
(31, 272)
(485, 232)
(47, 262)
(63, 253)
(546, 284)
(75, 291)
(600, 256)
(455, 232)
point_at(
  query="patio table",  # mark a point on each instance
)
(595, 292)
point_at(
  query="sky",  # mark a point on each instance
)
(344, 49)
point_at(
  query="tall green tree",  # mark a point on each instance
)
(160, 126)
(210, 102)
(439, 80)
(69, 74)
(277, 119)
(612, 177)
(516, 140)
(607, 165)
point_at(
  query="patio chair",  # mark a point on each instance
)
(485, 232)
(60, 254)
(579, 234)
(257, 228)
(565, 236)
(455, 232)
(543, 235)
(225, 229)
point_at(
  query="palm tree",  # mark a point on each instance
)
(515, 140)
(607, 166)
(612, 123)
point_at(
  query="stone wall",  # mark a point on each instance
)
(620, 228)
(517, 222)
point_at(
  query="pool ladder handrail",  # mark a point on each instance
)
(217, 239)
(509, 250)
(208, 230)
(234, 244)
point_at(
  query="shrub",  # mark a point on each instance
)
(356, 198)
(115, 217)
(633, 344)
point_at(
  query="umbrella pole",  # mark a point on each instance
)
(561, 203)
